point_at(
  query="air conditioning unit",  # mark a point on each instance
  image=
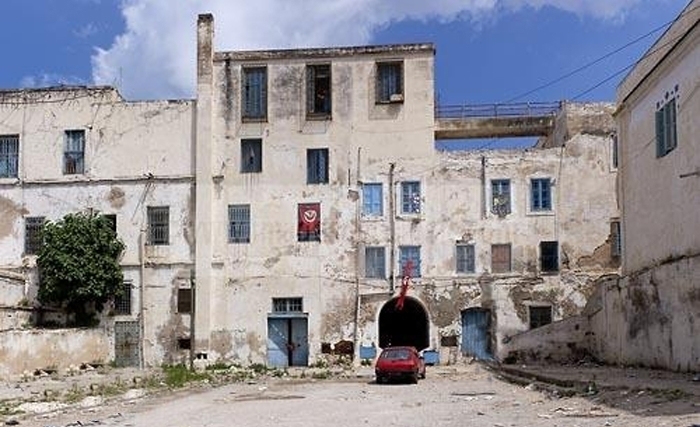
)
(396, 97)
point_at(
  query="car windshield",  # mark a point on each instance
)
(397, 354)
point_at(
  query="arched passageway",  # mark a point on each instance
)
(407, 325)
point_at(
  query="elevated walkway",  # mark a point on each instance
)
(495, 120)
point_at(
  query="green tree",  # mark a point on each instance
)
(79, 264)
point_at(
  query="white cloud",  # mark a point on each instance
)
(155, 56)
(50, 79)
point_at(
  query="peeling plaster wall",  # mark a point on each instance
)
(650, 318)
(58, 349)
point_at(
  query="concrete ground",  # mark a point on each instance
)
(457, 395)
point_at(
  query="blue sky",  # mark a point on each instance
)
(487, 50)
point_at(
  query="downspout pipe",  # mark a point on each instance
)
(392, 228)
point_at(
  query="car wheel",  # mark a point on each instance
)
(422, 375)
(414, 378)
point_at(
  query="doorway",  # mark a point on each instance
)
(404, 325)
(287, 341)
(476, 333)
(126, 343)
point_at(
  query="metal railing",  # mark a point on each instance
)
(524, 109)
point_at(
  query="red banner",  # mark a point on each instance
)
(309, 219)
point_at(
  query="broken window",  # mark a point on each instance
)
(184, 300)
(500, 197)
(318, 91)
(409, 261)
(549, 257)
(666, 132)
(239, 223)
(389, 82)
(287, 305)
(254, 94)
(317, 166)
(74, 153)
(251, 155)
(540, 316)
(410, 197)
(500, 258)
(465, 258)
(375, 263)
(122, 302)
(541, 194)
(372, 199)
(309, 222)
(32, 234)
(9, 156)
(615, 239)
(158, 225)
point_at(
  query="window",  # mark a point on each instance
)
(389, 82)
(239, 223)
(614, 147)
(500, 258)
(9, 156)
(158, 225)
(317, 166)
(375, 262)
(287, 305)
(549, 256)
(409, 261)
(309, 222)
(372, 199)
(122, 302)
(541, 195)
(251, 155)
(255, 94)
(410, 197)
(184, 300)
(465, 258)
(32, 234)
(666, 133)
(318, 91)
(112, 220)
(500, 197)
(540, 316)
(615, 239)
(74, 153)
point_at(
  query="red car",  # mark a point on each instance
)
(399, 363)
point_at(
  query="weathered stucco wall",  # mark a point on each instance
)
(56, 349)
(650, 318)
(565, 341)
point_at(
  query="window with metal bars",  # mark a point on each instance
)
(158, 225)
(254, 97)
(549, 257)
(465, 258)
(389, 86)
(287, 305)
(500, 197)
(541, 194)
(318, 91)
(32, 234)
(375, 262)
(500, 258)
(9, 156)
(251, 155)
(410, 197)
(239, 223)
(317, 166)
(74, 153)
(122, 302)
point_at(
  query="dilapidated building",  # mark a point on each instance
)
(299, 207)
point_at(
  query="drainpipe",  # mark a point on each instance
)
(193, 306)
(392, 227)
(142, 303)
(358, 259)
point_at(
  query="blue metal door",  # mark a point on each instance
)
(277, 342)
(287, 341)
(476, 333)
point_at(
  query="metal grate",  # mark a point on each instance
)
(32, 234)
(523, 109)
(126, 343)
(122, 303)
(287, 305)
(9, 156)
(239, 223)
(158, 225)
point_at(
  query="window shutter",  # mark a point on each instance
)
(660, 150)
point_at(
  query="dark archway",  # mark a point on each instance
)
(404, 326)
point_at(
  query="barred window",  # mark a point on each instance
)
(500, 197)
(389, 82)
(318, 91)
(287, 305)
(32, 234)
(158, 225)
(239, 223)
(9, 156)
(317, 166)
(122, 303)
